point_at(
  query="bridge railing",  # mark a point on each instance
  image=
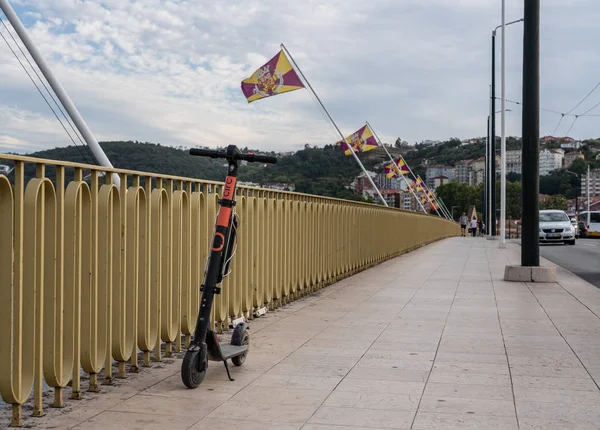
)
(92, 274)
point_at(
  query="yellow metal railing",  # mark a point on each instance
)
(90, 274)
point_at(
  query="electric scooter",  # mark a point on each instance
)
(205, 345)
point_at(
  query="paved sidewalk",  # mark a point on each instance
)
(432, 339)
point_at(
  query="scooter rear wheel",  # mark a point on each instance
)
(190, 375)
(238, 360)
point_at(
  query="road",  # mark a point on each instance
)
(583, 259)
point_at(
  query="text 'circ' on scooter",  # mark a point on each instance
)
(205, 344)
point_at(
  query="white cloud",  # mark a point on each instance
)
(170, 71)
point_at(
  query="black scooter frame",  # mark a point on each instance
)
(205, 344)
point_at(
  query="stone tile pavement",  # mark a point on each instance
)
(433, 339)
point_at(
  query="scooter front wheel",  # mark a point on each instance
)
(190, 373)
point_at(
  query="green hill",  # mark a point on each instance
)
(322, 171)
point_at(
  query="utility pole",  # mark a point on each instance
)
(486, 177)
(503, 132)
(493, 143)
(530, 246)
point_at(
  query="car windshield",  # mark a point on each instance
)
(553, 217)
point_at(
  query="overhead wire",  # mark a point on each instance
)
(585, 98)
(564, 114)
(49, 93)
(572, 109)
(572, 124)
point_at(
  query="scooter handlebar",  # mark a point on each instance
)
(250, 157)
(208, 153)
(258, 158)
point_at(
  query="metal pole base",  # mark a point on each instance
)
(530, 274)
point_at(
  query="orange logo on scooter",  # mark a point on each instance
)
(229, 186)
(218, 242)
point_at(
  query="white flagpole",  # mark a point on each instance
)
(440, 203)
(412, 173)
(334, 124)
(429, 198)
(435, 198)
(395, 164)
(443, 206)
(58, 89)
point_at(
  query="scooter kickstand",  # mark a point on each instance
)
(227, 368)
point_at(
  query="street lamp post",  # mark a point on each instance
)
(489, 179)
(453, 211)
(493, 132)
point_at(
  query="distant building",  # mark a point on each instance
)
(477, 173)
(394, 198)
(550, 159)
(594, 183)
(462, 171)
(362, 184)
(582, 205)
(572, 156)
(443, 173)
(548, 139)
(410, 203)
(286, 154)
(385, 183)
(280, 187)
(514, 164)
(571, 145)
(473, 140)
(248, 184)
(439, 180)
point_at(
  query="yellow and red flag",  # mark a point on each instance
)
(399, 167)
(361, 140)
(275, 77)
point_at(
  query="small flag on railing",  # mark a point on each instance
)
(361, 140)
(392, 170)
(273, 78)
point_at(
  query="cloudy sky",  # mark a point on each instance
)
(169, 71)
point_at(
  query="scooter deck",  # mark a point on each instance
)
(230, 351)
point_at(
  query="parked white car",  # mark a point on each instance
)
(555, 226)
(575, 226)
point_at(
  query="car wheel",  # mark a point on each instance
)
(571, 242)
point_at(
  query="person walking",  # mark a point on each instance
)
(463, 224)
(474, 227)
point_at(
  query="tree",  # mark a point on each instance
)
(513, 199)
(554, 202)
(578, 166)
(513, 177)
(461, 196)
(398, 143)
(559, 182)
